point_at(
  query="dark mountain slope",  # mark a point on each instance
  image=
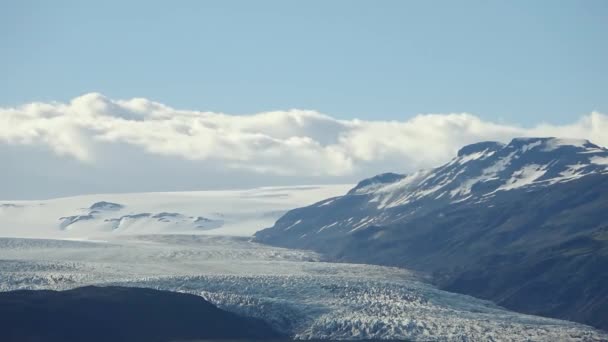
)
(525, 225)
(119, 314)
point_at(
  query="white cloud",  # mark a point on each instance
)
(286, 143)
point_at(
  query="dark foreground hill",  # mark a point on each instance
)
(119, 314)
(524, 225)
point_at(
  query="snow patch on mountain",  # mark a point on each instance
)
(525, 176)
(474, 156)
(599, 160)
(555, 143)
(294, 224)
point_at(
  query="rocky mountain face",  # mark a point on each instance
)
(523, 224)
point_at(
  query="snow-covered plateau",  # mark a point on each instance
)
(180, 242)
(224, 212)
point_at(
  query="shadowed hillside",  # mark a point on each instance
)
(119, 314)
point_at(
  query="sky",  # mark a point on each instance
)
(516, 61)
(118, 96)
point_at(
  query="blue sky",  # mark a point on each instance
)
(519, 62)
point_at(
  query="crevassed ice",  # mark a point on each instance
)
(290, 289)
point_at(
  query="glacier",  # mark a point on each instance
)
(296, 291)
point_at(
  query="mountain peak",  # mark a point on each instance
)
(480, 147)
(550, 143)
(525, 144)
(383, 178)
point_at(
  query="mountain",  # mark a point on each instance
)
(524, 225)
(120, 314)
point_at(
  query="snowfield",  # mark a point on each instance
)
(225, 212)
(294, 290)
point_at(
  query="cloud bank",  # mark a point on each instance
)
(94, 132)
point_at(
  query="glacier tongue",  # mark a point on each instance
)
(291, 289)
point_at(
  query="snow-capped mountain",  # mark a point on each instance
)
(480, 170)
(495, 215)
(477, 174)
